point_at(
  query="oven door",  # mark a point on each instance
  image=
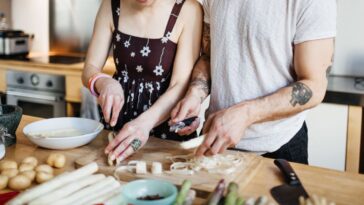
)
(38, 104)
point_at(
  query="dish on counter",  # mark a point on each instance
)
(62, 133)
(134, 191)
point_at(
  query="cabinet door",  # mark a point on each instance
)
(327, 130)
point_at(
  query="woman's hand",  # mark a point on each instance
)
(111, 99)
(131, 138)
(189, 106)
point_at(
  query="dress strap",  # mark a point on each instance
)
(115, 6)
(173, 17)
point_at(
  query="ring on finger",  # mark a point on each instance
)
(136, 144)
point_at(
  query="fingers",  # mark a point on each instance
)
(121, 136)
(217, 145)
(174, 112)
(210, 138)
(119, 151)
(106, 108)
(127, 153)
(117, 106)
(190, 129)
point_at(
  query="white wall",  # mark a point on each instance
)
(5, 8)
(350, 33)
(327, 130)
(32, 17)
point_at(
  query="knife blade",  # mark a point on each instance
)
(289, 193)
(180, 125)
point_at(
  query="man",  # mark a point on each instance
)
(264, 65)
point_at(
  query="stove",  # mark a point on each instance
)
(52, 59)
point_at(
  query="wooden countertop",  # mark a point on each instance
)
(343, 188)
(64, 69)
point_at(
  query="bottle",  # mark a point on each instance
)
(3, 23)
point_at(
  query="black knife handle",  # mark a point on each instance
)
(288, 172)
(189, 121)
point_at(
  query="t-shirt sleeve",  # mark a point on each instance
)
(206, 9)
(317, 20)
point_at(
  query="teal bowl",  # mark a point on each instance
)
(148, 187)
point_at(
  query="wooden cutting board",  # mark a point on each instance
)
(158, 150)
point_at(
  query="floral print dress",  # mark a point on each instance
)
(144, 68)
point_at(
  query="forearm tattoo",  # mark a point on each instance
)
(206, 41)
(301, 94)
(203, 84)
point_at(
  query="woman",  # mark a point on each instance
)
(155, 44)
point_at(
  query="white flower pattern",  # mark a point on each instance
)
(118, 38)
(145, 51)
(132, 54)
(158, 70)
(139, 68)
(164, 136)
(118, 11)
(127, 44)
(179, 1)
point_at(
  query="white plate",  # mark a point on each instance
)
(63, 133)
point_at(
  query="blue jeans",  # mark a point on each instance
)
(295, 150)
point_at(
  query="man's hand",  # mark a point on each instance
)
(223, 129)
(189, 106)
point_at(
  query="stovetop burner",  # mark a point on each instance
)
(53, 59)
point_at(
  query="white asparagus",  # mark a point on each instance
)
(157, 168)
(116, 199)
(110, 138)
(103, 199)
(53, 184)
(100, 194)
(193, 143)
(67, 190)
(90, 190)
(141, 167)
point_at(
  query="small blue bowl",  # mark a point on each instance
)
(148, 187)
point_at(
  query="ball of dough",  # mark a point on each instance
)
(30, 174)
(8, 164)
(56, 160)
(44, 168)
(30, 160)
(25, 167)
(10, 172)
(3, 182)
(19, 183)
(43, 177)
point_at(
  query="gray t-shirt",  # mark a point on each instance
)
(252, 45)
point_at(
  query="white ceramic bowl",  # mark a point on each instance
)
(63, 133)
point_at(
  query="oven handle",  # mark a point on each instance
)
(29, 95)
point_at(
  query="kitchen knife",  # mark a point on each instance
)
(288, 194)
(180, 125)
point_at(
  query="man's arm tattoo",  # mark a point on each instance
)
(301, 94)
(203, 84)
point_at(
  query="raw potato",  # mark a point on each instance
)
(44, 168)
(8, 164)
(30, 160)
(42, 177)
(56, 160)
(10, 172)
(30, 174)
(26, 167)
(3, 182)
(19, 183)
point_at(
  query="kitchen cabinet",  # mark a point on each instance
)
(327, 131)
